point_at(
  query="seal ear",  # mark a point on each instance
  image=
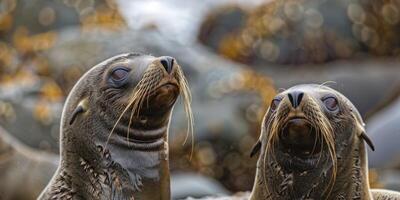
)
(79, 109)
(256, 148)
(364, 136)
(361, 131)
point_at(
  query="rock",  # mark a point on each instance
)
(34, 17)
(237, 196)
(311, 31)
(29, 112)
(24, 172)
(219, 23)
(384, 131)
(188, 184)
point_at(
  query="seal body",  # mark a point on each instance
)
(114, 131)
(313, 147)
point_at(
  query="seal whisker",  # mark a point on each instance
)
(129, 126)
(187, 99)
(135, 95)
(326, 83)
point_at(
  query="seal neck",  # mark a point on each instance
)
(144, 156)
(136, 167)
(274, 182)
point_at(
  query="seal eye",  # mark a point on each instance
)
(331, 103)
(274, 104)
(119, 74)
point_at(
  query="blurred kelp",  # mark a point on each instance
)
(305, 31)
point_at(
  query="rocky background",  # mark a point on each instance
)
(236, 54)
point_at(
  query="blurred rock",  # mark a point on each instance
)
(310, 31)
(30, 108)
(221, 22)
(194, 185)
(237, 196)
(384, 131)
(24, 172)
(33, 17)
(389, 179)
(175, 19)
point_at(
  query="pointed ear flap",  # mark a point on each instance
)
(81, 108)
(256, 148)
(364, 136)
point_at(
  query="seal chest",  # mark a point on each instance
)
(312, 146)
(114, 130)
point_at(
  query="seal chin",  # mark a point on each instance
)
(166, 94)
(299, 143)
(161, 100)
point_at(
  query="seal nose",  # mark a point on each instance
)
(295, 98)
(167, 62)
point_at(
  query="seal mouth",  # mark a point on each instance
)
(300, 139)
(169, 87)
(164, 96)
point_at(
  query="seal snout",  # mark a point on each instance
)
(295, 98)
(168, 63)
(299, 138)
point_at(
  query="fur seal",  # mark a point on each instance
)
(312, 146)
(114, 130)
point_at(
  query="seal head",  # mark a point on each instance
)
(312, 147)
(114, 130)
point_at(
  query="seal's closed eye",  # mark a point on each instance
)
(119, 76)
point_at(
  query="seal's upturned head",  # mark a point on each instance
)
(123, 97)
(311, 147)
(114, 129)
